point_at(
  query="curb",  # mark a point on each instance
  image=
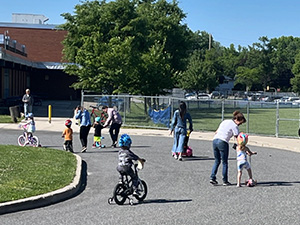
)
(48, 198)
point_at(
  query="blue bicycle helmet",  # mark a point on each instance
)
(98, 119)
(125, 140)
(30, 115)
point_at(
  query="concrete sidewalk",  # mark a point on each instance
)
(57, 124)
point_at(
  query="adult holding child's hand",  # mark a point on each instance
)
(225, 131)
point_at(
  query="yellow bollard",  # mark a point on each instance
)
(49, 113)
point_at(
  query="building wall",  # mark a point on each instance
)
(42, 45)
(53, 84)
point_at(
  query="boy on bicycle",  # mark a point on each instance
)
(126, 157)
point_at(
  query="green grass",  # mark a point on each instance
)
(261, 121)
(7, 119)
(28, 171)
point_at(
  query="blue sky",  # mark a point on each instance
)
(240, 22)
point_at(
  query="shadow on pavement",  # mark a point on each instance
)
(277, 183)
(165, 201)
(195, 158)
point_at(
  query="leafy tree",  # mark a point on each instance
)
(201, 73)
(284, 50)
(247, 76)
(112, 45)
(295, 81)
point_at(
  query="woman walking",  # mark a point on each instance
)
(226, 130)
(178, 125)
(85, 125)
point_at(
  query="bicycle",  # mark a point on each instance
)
(124, 189)
(26, 139)
(93, 113)
(102, 115)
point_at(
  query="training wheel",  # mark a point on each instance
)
(110, 200)
(131, 202)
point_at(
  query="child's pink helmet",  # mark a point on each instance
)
(242, 138)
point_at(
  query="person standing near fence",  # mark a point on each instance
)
(115, 121)
(85, 125)
(178, 125)
(28, 103)
(225, 131)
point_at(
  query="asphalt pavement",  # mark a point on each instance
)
(179, 192)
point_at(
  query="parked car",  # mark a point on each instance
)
(203, 96)
(190, 96)
(216, 94)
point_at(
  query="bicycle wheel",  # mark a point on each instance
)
(34, 141)
(21, 140)
(142, 190)
(119, 194)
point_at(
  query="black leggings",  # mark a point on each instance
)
(114, 132)
(83, 134)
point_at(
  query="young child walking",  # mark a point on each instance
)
(241, 155)
(68, 135)
(97, 133)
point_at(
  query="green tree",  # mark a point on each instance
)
(111, 45)
(247, 76)
(295, 81)
(202, 72)
(284, 51)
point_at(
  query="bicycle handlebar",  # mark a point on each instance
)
(93, 107)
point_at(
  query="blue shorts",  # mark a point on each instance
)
(243, 164)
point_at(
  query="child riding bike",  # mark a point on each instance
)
(29, 129)
(126, 158)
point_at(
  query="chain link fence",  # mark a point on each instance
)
(263, 118)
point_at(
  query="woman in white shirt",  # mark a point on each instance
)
(226, 130)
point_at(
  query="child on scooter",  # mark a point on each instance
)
(126, 157)
(97, 133)
(241, 152)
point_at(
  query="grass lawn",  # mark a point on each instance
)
(7, 119)
(261, 121)
(29, 171)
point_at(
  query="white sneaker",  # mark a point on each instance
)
(180, 158)
(175, 156)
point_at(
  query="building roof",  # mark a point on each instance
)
(30, 26)
(5, 55)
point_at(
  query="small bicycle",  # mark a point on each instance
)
(123, 190)
(26, 139)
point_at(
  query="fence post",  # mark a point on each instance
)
(124, 106)
(82, 97)
(277, 120)
(223, 108)
(248, 112)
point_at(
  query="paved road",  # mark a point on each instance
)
(179, 192)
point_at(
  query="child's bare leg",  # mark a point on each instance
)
(239, 176)
(249, 173)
